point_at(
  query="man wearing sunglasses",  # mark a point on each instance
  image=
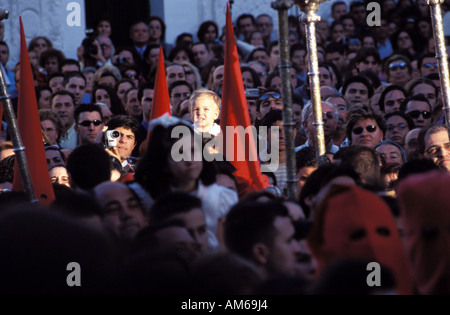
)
(419, 109)
(269, 99)
(398, 70)
(427, 64)
(89, 123)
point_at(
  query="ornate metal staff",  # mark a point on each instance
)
(19, 149)
(309, 17)
(441, 55)
(288, 123)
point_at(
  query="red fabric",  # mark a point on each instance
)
(161, 100)
(234, 113)
(30, 131)
(424, 204)
(355, 223)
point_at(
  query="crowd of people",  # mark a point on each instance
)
(137, 220)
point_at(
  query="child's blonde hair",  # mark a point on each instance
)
(204, 92)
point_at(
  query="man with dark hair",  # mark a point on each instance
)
(63, 103)
(263, 233)
(419, 109)
(75, 82)
(69, 65)
(9, 75)
(338, 9)
(89, 123)
(269, 99)
(88, 165)
(306, 163)
(368, 59)
(122, 211)
(179, 91)
(55, 81)
(427, 64)
(202, 55)
(126, 143)
(180, 205)
(245, 26)
(145, 96)
(335, 53)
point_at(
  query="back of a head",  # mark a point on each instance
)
(365, 162)
(250, 222)
(224, 274)
(416, 166)
(88, 165)
(171, 204)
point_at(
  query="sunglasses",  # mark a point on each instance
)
(430, 65)
(266, 96)
(416, 113)
(132, 75)
(87, 123)
(329, 115)
(398, 65)
(369, 128)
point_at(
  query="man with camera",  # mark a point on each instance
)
(120, 140)
(95, 51)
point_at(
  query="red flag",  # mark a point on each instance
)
(234, 113)
(30, 131)
(161, 100)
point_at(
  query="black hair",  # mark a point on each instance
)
(88, 166)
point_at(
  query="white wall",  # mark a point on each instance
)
(42, 17)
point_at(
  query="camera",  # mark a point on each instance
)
(110, 138)
(88, 43)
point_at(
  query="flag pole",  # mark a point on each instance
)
(309, 17)
(18, 147)
(288, 123)
(441, 56)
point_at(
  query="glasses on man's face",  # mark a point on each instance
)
(87, 123)
(179, 95)
(416, 113)
(272, 95)
(397, 66)
(430, 65)
(329, 115)
(369, 128)
(399, 127)
(438, 149)
(132, 75)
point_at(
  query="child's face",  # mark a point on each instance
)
(204, 112)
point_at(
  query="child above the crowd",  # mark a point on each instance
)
(204, 106)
